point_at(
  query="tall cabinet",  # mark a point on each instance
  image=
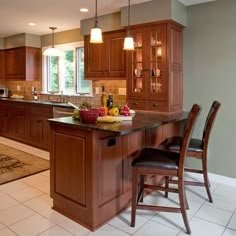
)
(155, 67)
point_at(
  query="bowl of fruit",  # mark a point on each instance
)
(89, 115)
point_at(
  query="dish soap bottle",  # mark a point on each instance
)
(103, 97)
(110, 101)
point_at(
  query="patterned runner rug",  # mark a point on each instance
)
(16, 164)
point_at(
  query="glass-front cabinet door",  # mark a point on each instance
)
(158, 80)
(136, 78)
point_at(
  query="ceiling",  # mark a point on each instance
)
(16, 14)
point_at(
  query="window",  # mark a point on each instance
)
(65, 73)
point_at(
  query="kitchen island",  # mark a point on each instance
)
(90, 164)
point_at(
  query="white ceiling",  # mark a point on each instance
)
(63, 14)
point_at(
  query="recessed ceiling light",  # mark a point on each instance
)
(32, 24)
(84, 9)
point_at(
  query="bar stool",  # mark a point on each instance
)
(197, 149)
(152, 161)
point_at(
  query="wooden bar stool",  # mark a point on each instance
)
(197, 149)
(152, 161)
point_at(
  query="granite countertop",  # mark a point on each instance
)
(52, 103)
(141, 120)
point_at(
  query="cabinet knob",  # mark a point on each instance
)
(155, 105)
(135, 103)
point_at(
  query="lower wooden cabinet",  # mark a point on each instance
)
(90, 172)
(26, 123)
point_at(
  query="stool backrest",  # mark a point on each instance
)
(189, 126)
(209, 123)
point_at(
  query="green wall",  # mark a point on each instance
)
(210, 73)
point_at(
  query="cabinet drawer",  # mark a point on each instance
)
(154, 105)
(136, 104)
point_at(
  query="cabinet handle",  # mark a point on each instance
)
(135, 103)
(155, 105)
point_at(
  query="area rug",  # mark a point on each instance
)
(16, 164)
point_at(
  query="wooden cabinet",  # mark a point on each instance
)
(106, 60)
(26, 122)
(2, 64)
(155, 68)
(37, 125)
(90, 172)
(22, 63)
(13, 120)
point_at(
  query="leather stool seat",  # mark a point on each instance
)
(156, 158)
(174, 144)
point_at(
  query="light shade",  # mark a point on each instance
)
(52, 52)
(96, 35)
(129, 43)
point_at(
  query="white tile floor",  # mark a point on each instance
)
(25, 210)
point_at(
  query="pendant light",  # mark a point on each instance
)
(96, 31)
(129, 41)
(52, 51)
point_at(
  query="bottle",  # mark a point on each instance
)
(109, 100)
(35, 94)
(103, 97)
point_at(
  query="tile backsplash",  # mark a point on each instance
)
(116, 87)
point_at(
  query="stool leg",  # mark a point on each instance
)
(141, 184)
(134, 195)
(182, 202)
(206, 179)
(166, 185)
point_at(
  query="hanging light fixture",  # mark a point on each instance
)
(52, 51)
(129, 41)
(96, 31)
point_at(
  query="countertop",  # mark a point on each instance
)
(51, 103)
(141, 121)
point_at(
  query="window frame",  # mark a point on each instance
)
(66, 46)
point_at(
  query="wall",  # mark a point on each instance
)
(62, 37)
(23, 39)
(1, 43)
(209, 73)
(106, 22)
(155, 10)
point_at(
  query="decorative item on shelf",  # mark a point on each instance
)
(96, 31)
(138, 72)
(129, 41)
(52, 51)
(156, 72)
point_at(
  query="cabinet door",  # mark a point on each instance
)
(116, 55)
(2, 64)
(157, 63)
(136, 84)
(15, 121)
(38, 127)
(95, 59)
(15, 63)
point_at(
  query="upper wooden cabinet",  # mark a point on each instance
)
(155, 67)
(106, 60)
(22, 63)
(2, 64)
